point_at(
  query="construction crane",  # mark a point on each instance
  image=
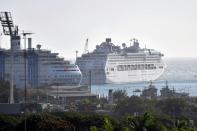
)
(10, 29)
(8, 25)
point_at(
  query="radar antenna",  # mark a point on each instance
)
(134, 40)
(86, 47)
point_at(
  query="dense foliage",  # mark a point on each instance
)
(44, 122)
(73, 121)
(8, 123)
(119, 95)
(5, 92)
(127, 114)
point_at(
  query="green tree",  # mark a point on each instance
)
(146, 122)
(84, 121)
(108, 125)
(93, 128)
(119, 95)
(8, 123)
(45, 122)
(5, 92)
(184, 125)
(175, 107)
(132, 105)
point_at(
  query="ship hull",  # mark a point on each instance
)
(111, 74)
(134, 76)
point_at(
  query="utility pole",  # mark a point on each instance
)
(12, 77)
(90, 79)
(25, 72)
(25, 63)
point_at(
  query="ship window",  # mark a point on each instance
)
(135, 67)
(128, 67)
(112, 69)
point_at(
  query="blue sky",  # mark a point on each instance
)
(169, 26)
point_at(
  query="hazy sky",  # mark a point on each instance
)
(169, 26)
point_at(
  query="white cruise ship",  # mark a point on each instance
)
(112, 64)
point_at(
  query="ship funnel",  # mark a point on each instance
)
(15, 43)
(29, 43)
(38, 46)
(108, 40)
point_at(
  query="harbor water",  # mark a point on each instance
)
(181, 74)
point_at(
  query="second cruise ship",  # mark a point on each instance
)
(43, 67)
(109, 63)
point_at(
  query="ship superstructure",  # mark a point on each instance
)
(109, 63)
(43, 68)
(56, 70)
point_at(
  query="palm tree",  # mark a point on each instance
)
(146, 122)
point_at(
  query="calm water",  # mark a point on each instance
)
(180, 73)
